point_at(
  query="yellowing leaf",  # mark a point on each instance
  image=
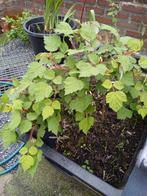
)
(56, 105)
(116, 99)
(107, 84)
(47, 112)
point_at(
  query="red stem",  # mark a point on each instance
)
(82, 12)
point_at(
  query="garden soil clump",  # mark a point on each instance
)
(108, 148)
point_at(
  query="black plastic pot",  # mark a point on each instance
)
(35, 37)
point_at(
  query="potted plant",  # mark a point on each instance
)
(94, 105)
(40, 26)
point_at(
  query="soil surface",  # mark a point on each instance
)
(107, 150)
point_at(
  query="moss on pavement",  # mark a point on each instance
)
(48, 181)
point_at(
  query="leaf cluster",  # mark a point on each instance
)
(93, 67)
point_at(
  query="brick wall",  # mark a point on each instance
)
(10, 7)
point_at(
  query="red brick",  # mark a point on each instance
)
(134, 9)
(123, 15)
(103, 3)
(105, 20)
(97, 10)
(140, 18)
(126, 25)
(134, 34)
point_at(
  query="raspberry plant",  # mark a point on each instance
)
(100, 63)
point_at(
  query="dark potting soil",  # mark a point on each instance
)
(107, 150)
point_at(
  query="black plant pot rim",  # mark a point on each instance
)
(40, 19)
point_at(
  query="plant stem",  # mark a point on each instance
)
(82, 12)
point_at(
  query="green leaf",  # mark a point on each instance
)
(107, 84)
(114, 64)
(124, 113)
(72, 84)
(87, 70)
(5, 98)
(31, 116)
(118, 85)
(49, 74)
(52, 42)
(94, 58)
(101, 68)
(64, 28)
(57, 80)
(56, 105)
(15, 120)
(143, 62)
(64, 47)
(23, 151)
(35, 69)
(126, 62)
(27, 162)
(88, 32)
(33, 150)
(116, 99)
(80, 104)
(86, 123)
(135, 44)
(53, 124)
(128, 79)
(17, 104)
(143, 98)
(40, 91)
(134, 92)
(47, 112)
(111, 29)
(79, 116)
(142, 112)
(25, 126)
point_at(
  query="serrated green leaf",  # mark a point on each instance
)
(107, 84)
(53, 124)
(124, 113)
(118, 85)
(17, 104)
(52, 42)
(25, 126)
(56, 105)
(64, 28)
(143, 62)
(87, 70)
(87, 32)
(23, 151)
(86, 123)
(80, 104)
(47, 112)
(143, 112)
(116, 99)
(49, 74)
(31, 116)
(40, 90)
(126, 62)
(134, 92)
(27, 162)
(72, 84)
(15, 120)
(114, 64)
(57, 80)
(79, 116)
(143, 98)
(33, 150)
(128, 79)
(5, 98)
(94, 58)
(35, 69)
(64, 47)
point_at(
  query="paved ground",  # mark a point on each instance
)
(48, 181)
(4, 180)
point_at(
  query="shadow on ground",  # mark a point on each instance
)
(48, 181)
